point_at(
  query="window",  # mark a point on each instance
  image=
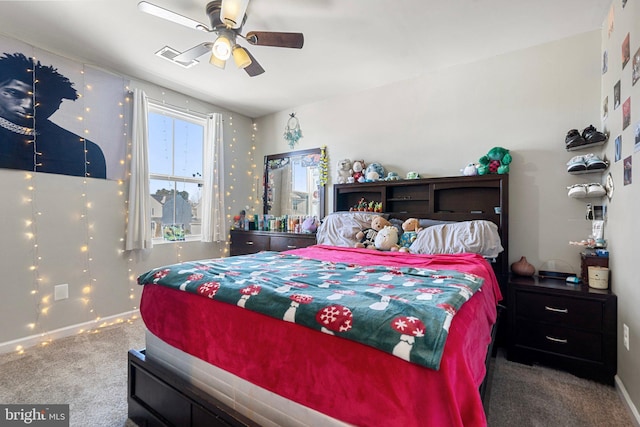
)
(176, 147)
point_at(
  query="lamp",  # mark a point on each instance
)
(222, 47)
(217, 62)
(232, 12)
(241, 57)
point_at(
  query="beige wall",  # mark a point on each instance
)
(622, 226)
(525, 101)
(51, 207)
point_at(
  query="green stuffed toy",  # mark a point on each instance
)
(496, 161)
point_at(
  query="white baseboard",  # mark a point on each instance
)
(633, 411)
(33, 340)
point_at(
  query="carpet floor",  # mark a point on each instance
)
(89, 372)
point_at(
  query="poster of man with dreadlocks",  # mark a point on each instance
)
(30, 93)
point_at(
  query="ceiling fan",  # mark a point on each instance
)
(227, 18)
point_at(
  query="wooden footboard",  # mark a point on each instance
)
(158, 397)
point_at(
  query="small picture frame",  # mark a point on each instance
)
(173, 232)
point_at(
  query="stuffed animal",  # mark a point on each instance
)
(496, 161)
(309, 225)
(366, 238)
(470, 170)
(358, 171)
(374, 172)
(343, 171)
(410, 229)
(387, 239)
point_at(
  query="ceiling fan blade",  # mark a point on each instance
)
(163, 13)
(270, 38)
(194, 53)
(254, 69)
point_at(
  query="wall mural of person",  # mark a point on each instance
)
(30, 93)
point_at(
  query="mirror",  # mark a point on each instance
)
(292, 184)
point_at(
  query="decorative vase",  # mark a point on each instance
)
(523, 267)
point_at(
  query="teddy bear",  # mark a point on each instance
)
(387, 239)
(357, 171)
(496, 161)
(366, 238)
(344, 171)
(410, 229)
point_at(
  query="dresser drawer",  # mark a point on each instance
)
(572, 312)
(248, 243)
(559, 339)
(281, 243)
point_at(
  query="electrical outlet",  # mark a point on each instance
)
(61, 292)
(625, 335)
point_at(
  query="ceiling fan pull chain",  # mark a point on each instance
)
(292, 132)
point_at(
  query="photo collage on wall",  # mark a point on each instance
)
(628, 68)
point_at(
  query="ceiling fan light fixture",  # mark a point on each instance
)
(217, 62)
(232, 12)
(241, 57)
(222, 47)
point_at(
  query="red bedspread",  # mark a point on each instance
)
(346, 380)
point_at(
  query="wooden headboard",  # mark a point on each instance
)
(458, 198)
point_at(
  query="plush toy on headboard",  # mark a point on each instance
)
(496, 161)
(343, 171)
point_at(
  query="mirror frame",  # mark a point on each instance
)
(267, 159)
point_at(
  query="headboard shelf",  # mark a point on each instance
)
(457, 198)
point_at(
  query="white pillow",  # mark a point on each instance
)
(340, 228)
(478, 236)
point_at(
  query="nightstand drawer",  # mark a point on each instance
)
(560, 340)
(581, 313)
(279, 243)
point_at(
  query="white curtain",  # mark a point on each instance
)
(213, 223)
(138, 217)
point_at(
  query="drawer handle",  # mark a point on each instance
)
(249, 242)
(557, 310)
(291, 247)
(558, 340)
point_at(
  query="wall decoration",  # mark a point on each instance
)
(636, 145)
(626, 51)
(605, 108)
(627, 171)
(292, 132)
(54, 111)
(610, 21)
(635, 73)
(618, 143)
(605, 62)
(626, 113)
(616, 95)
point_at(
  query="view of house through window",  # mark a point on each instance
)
(176, 144)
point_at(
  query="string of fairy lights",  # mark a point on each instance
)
(41, 289)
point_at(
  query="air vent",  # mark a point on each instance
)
(169, 54)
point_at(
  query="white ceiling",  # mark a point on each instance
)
(350, 45)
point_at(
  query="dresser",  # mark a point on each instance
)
(248, 242)
(570, 327)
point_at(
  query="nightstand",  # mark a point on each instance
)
(570, 327)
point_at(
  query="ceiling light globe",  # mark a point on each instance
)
(241, 57)
(222, 48)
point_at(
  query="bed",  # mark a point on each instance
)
(220, 353)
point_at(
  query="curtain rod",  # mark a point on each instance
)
(198, 113)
